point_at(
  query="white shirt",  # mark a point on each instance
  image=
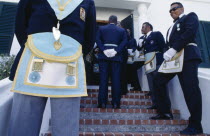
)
(171, 28)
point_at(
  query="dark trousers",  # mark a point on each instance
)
(124, 78)
(190, 85)
(151, 80)
(135, 80)
(114, 68)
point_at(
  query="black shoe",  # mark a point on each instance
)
(163, 117)
(149, 94)
(152, 107)
(103, 106)
(124, 93)
(135, 89)
(191, 131)
(116, 106)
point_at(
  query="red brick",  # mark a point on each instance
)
(110, 110)
(147, 134)
(99, 134)
(88, 101)
(88, 109)
(175, 122)
(124, 110)
(129, 122)
(144, 122)
(89, 134)
(117, 110)
(95, 110)
(137, 122)
(137, 110)
(168, 122)
(113, 122)
(121, 122)
(94, 102)
(105, 122)
(96, 122)
(88, 121)
(130, 111)
(153, 122)
(81, 122)
(160, 122)
(143, 110)
(108, 134)
(82, 109)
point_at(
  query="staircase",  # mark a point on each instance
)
(131, 120)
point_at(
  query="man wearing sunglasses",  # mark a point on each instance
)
(181, 35)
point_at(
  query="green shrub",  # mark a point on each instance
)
(5, 65)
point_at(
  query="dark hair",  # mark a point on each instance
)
(178, 3)
(148, 24)
(113, 19)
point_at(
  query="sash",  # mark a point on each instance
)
(150, 62)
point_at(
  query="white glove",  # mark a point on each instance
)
(106, 52)
(112, 52)
(140, 43)
(169, 54)
(130, 52)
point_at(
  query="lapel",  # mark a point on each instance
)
(175, 26)
(52, 7)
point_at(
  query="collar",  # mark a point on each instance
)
(180, 16)
(148, 33)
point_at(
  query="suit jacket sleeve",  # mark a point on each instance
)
(134, 46)
(22, 19)
(191, 26)
(90, 29)
(123, 43)
(161, 42)
(99, 40)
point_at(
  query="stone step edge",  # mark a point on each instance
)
(132, 96)
(97, 90)
(110, 110)
(128, 134)
(131, 122)
(123, 102)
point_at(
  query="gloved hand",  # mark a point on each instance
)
(112, 52)
(169, 54)
(130, 52)
(140, 43)
(107, 54)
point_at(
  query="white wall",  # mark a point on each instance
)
(104, 13)
(159, 17)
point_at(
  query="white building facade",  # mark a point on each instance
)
(157, 13)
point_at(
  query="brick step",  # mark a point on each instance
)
(124, 104)
(135, 92)
(122, 99)
(129, 95)
(119, 116)
(140, 106)
(94, 125)
(109, 113)
(128, 134)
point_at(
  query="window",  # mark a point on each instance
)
(203, 41)
(7, 21)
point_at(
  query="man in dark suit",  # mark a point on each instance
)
(180, 36)
(111, 41)
(153, 42)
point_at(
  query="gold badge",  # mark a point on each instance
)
(82, 13)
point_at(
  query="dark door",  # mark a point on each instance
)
(127, 23)
(203, 41)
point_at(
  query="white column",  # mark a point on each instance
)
(142, 11)
(142, 17)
